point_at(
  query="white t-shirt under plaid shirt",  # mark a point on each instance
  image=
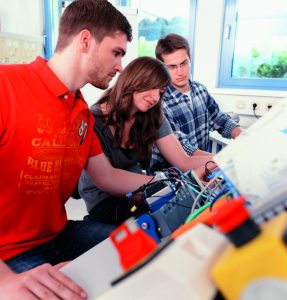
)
(191, 119)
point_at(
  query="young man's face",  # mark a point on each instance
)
(178, 64)
(106, 59)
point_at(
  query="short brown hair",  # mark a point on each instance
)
(100, 17)
(171, 43)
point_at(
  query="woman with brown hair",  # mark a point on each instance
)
(129, 122)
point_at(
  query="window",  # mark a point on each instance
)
(254, 46)
(155, 20)
(159, 18)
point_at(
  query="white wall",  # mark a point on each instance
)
(22, 17)
(206, 58)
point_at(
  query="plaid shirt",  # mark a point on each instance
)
(191, 121)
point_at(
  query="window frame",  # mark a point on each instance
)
(191, 35)
(225, 79)
(52, 13)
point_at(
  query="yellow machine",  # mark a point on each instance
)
(259, 253)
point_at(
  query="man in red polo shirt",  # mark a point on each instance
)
(46, 139)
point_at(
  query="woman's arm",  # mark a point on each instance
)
(113, 180)
(171, 149)
(201, 153)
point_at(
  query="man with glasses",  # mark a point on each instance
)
(188, 106)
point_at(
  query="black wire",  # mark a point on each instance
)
(207, 171)
(150, 181)
(142, 188)
(254, 112)
(170, 202)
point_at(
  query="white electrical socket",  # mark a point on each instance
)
(257, 111)
(268, 106)
(245, 106)
(240, 104)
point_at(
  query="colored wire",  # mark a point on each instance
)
(207, 171)
(197, 213)
(200, 194)
(218, 198)
(186, 180)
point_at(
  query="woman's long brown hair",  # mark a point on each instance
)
(142, 74)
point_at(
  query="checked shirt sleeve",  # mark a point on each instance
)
(188, 142)
(218, 120)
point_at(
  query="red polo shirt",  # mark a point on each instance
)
(46, 136)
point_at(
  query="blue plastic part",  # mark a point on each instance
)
(146, 223)
(161, 201)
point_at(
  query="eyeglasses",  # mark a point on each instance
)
(180, 66)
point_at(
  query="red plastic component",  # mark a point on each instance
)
(132, 243)
(231, 215)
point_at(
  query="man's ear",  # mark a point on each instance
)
(85, 38)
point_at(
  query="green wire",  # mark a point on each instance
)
(197, 212)
(195, 190)
(201, 209)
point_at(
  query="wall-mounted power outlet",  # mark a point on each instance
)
(250, 107)
(268, 106)
(240, 104)
(255, 108)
